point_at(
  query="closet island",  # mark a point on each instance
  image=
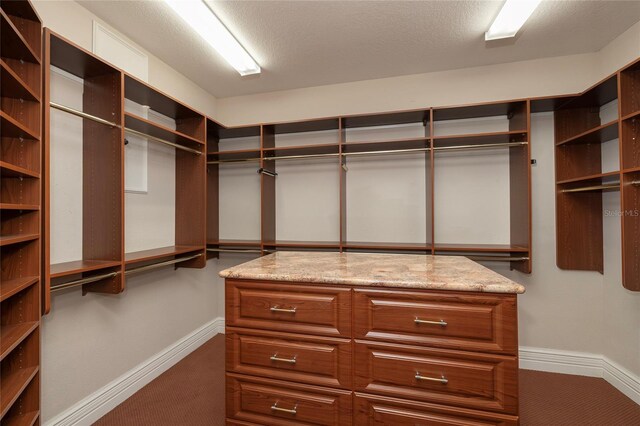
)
(357, 338)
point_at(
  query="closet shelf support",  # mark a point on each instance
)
(161, 264)
(163, 141)
(82, 114)
(82, 281)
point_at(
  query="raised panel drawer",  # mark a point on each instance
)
(273, 402)
(292, 308)
(476, 322)
(323, 361)
(373, 410)
(473, 380)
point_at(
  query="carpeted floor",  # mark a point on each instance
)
(192, 393)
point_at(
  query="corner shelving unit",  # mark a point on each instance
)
(20, 199)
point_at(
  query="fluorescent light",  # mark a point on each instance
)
(512, 16)
(198, 15)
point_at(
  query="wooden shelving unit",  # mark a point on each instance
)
(20, 198)
(105, 124)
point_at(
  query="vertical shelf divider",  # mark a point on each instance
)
(268, 189)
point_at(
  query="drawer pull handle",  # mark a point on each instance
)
(442, 379)
(293, 411)
(275, 357)
(279, 309)
(441, 323)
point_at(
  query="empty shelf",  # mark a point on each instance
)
(387, 246)
(286, 151)
(13, 43)
(11, 170)
(6, 240)
(12, 334)
(599, 177)
(11, 206)
(11, 128)
(481, 248)
(158, 253)
(235, 243)
(10, 287)
(12, 386)
(12, 86)
(480, 138)
(79, 266)
(25, 419)
(304, 244)
(152, 129)
(603, 133)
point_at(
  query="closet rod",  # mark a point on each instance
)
(593, 188)
(218, 250)
(82, 281)
(82, 114)
(161, 264)
(295, 157)
(479, 146)
(166, 142)
(235, 160)
(498, 258)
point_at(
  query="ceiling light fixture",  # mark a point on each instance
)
(512, 16)
(202, 19)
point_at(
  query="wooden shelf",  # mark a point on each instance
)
(319, 125)
(11, 206)
(158, 253)
(631, 170)
(302, 150)
(74, 59)
(6, 240)
(12, 386)
(143, 94)
(389, 145)
(159, 131)
(13, 43)
(599, 177)
(26, 419)
(358, 245)
(12, 335)
(304, 244)
(10, 170)
(14, 286)
(386, 119)
(631, 116)
(491, 109)
(240, 154)
(235, 243)
(481, 248)
(233, 132)
(600, 134)
(12, 128)
(599, 94)
(58, 270)
(12, 86)
(481, 138)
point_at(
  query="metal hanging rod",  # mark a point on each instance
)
(499, 258)
(161, 264)
(221, 250)
(82, 281)
(593, 188)
(235, 160)
(166, 142)
(479, 146)
(82, 114)
(296, 157)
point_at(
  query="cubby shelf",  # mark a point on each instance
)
(13, 286)
(26, 419)
(12, 86)
(632, 115)
(11, 206)
(58, 270)
(602, 133)
(12, 128)
(12, 386)
(11, 170)
(6, 240)
(14, 44)
(158, 253)
(13, 334)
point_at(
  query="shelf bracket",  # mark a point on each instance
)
(267, 172)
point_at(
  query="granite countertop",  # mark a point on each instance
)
(455, 273)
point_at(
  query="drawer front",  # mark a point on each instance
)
(473, 380)
(293, 308)
(477, 322)
(374, 410)
(322, 361)
(273, 402)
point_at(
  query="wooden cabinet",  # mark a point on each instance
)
(394, 356)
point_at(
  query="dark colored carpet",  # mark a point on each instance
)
(192, 393)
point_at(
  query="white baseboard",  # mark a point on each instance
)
(96, 405)
(582, 364)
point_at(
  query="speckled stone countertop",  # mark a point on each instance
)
(455, 273)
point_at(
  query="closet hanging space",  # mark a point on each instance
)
(20, 200)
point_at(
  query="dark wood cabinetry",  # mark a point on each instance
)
(20, 200)
(400, 356)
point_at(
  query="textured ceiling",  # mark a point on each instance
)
(313, 43)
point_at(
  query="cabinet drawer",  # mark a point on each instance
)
(483, 323)
(479, 381)
(293, 308)
(273, 402)
(323, 361)
(376, 410)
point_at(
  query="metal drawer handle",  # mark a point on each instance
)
(275, 357)
(442, 379)
(279, 309)
(441, 323)
(292, 411)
